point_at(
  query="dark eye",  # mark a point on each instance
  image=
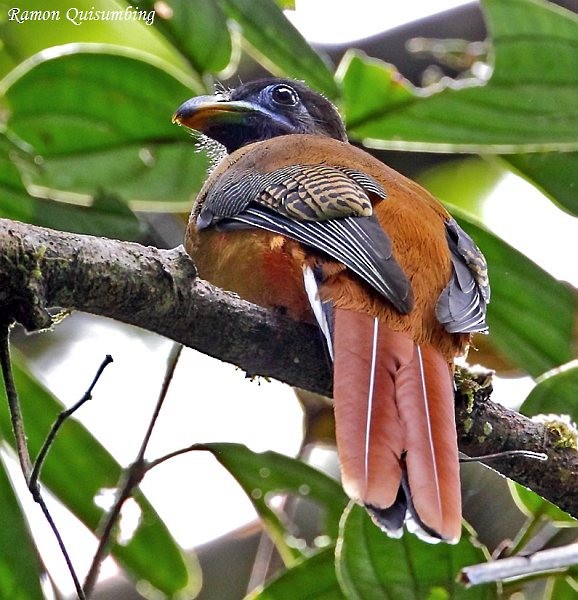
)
(283, 94)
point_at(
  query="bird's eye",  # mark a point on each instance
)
(283, 94)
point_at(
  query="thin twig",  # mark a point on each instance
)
(131, 478)
(65, 414)
(62, 546)
(172, 361)
(24, 454)
(505, 454)
(192, 448)
(518, 566)
(14, 404)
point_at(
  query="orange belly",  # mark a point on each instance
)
(262, 267)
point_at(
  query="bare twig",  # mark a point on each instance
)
(519, 566)
(156, 290)
(131, 478)
(172, 362)
(24, 454)
(65, 414)
(157, 461)
(62, 546)
(505, 454)
(14, 404)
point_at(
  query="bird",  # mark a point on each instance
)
(295, 218)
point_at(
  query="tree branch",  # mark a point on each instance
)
(157, 290)
(517, 566)
(153, 289)
(485, 427)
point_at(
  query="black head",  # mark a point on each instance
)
(261, 110)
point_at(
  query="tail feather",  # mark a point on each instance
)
(392, 518)
(402, 512)
(368, 430)
(426, 408)
(395, 427)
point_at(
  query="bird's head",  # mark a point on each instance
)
(261, 110)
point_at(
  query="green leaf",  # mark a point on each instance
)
(106, 216)
(104, 121)
(21, 40)
(464, 182)
(13, 195)
(313, 577)
(554, 173)
(533, 329)
(198, 29)
(555, 392)
(278, 45)
(20, 568)
(370, 87)
(563, 588)
(90, 469)
(372, 566)
(530, 103)
(152, 177)
(92, 99)
(533, 505)
(261, 475)
(531, 314)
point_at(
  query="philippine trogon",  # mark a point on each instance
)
(294, 217)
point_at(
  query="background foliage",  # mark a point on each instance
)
(86, 145)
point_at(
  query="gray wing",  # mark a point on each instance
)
(357, 242)
(304, 192)
(324, 207)
(461, 307)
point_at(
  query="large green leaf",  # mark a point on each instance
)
(372, 566)
(531, 314)
(262, 474)
(92, 99)
(13, 194)
(555, 392)
(530, 103)
(562, 588)
(21, 40)
(198, 28)
(278, 45)
(106, 216)
(20, 568)
(313, 577)
(153, 177)
(463, 182)
(78, 469)
(372, 90)
(555, 173)
(104, 121)
(533, 328)
(533, 505)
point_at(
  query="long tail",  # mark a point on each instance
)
(395, 427)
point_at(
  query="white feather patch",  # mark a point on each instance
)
(428, 421)
(312, 291)
(370, 397)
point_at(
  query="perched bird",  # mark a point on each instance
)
(295, 217)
